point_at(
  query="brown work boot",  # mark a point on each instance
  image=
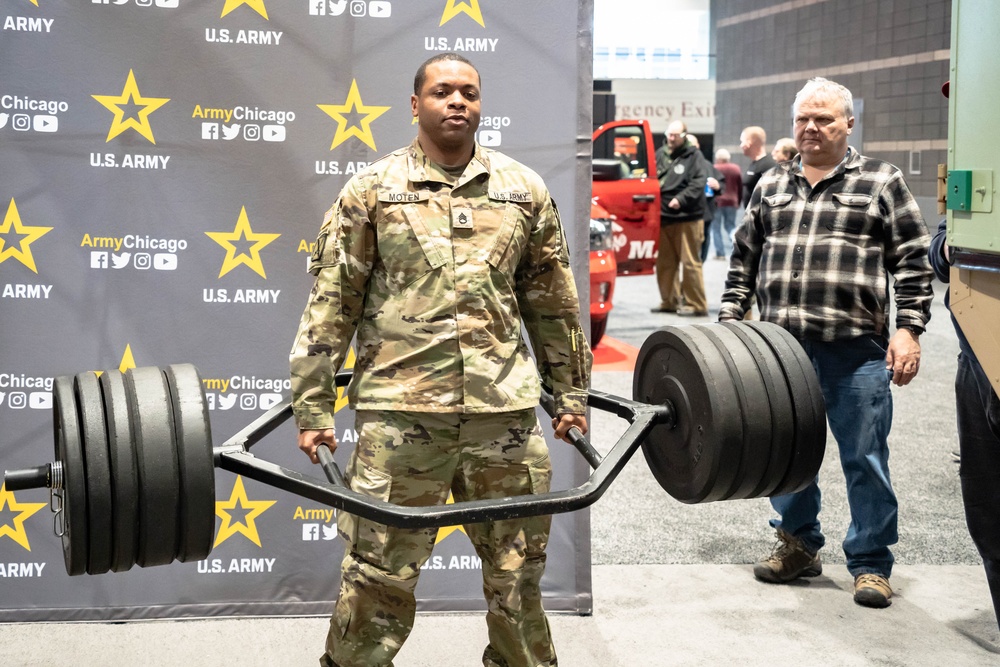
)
(872, 590)
(788, 561)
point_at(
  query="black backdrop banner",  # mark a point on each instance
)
(164, 169)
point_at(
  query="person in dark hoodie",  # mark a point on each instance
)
(682, 173)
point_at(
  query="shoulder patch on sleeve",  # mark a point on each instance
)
(321, 256)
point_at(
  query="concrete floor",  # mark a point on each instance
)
(644, 615)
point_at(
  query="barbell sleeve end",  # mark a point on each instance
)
(29, 478)
(665, 414)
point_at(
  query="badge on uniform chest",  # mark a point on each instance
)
(461, 217)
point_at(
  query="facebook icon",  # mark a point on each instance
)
(98, 260)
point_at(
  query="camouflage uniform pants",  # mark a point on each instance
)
(416, 459)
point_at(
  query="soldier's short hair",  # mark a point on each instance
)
(421, 75)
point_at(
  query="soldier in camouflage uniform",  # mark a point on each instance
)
(435, 255)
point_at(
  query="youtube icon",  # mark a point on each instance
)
(274, 133)
(45, 123)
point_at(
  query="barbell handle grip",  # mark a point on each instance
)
(579, 440)
(576, 438)
(330, 466)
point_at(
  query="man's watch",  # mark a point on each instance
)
(912, 329)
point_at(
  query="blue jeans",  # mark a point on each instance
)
(855, 385)
(723, 225)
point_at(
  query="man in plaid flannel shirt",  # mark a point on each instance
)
(819, 239)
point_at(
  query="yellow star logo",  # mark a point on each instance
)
(131, 95)
(16, 531)
(256, 5)
(128, 361)
(19, 251)
(35, 3)
(251, 509)
(244, 233)
(445, 531)
(353, 103)
(456, 7)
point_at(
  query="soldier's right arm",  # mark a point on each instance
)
(342, 262)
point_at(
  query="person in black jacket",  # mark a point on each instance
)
(978, 413)
(681, 170)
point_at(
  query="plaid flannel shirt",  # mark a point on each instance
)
(818, 257)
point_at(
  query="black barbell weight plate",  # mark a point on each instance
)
(782, 439)
(755, 410)
(793, 479)
(193, 436)
(94, 438)
(729, 450)
(124, 476)
(684, 457)
(156, 459)
(69, 453)
(810, 423)
(813, 447)
(794, 382)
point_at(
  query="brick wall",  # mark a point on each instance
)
(892, 55)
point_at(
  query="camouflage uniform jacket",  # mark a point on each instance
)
(436, 276)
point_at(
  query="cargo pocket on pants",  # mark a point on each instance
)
(515, 554)
(366, 537)
(540, 474)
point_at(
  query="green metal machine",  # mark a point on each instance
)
(972, 177)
